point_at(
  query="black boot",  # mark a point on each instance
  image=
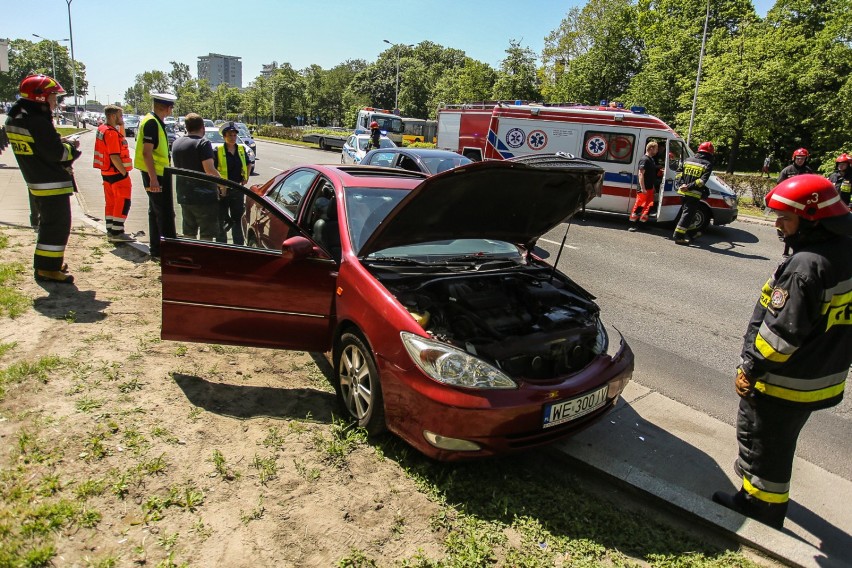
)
(771, 514)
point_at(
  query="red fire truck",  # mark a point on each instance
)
(610, 136)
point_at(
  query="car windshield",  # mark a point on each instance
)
(214, 136)
(389, 124)
(366, 208)
(242, 130)
(208, 122)
(131, 120)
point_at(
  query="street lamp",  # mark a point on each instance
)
(53, 43)
(398, 46)
(698, 76)
(73, 63)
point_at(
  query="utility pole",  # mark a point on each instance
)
(73, 63)
(698, 77)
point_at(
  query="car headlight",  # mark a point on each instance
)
(452, 366)
(730, 200)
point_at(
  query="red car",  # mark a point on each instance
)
(443, 326)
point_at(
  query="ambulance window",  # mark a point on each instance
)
(614, 147)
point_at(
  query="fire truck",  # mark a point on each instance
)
(609, 135)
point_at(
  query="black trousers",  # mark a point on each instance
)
(687, 215)
(231, 208)
(159, 226)
(767, 432)
(53, 231)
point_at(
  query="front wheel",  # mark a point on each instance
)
(357, 383)
(321, 143)
(703, 216)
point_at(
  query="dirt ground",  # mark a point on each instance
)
(184, 453)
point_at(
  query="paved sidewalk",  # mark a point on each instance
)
(649, 442)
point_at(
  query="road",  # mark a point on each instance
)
(682, 309)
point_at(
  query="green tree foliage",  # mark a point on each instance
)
(594, 53)
(469, 83)
(517, 77)
(26, 57)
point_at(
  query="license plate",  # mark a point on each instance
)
(567, 410)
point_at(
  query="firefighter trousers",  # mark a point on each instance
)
(767, 432)
(53, 231)
(644, 202)
(116, 204)
(687, 216)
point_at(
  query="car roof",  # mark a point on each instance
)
(360, 176)
(423, 152)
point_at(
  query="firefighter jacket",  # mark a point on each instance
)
(109, 141)
(842, 183)
(222, 162)
(793, 170)
(161, 151)
(796, 347)
(694, 173)
(41, 153)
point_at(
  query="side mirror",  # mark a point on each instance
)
(295, 249)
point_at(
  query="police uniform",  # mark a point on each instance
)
(152, 130)
(232, 167)
(693, 174)
(44, 160)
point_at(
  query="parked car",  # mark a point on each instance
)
(245, 134)
(131, 124)
(442, 325)
(171, 133)
(215, 137)
(208, 123)
(427, 160)
(355, 147)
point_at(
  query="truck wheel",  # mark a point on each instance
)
(321, 143)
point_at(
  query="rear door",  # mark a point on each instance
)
(233, 294)
(616, 150)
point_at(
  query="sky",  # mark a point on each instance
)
(116, 42)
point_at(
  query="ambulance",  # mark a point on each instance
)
(609, 135)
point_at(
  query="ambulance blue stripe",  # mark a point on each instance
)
(498, 145)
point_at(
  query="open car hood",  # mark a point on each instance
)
(515, 201)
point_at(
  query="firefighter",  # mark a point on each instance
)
(798, 167)
(45, 161)
(692, 186)
(230, 161)
(793, 356)
(151, 159)
(375, 136)
(648, 171)
(112, 157)
(842, 177)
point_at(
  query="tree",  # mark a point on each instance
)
(469, 83)
(179, 75)
(26, 57)
(517, 78)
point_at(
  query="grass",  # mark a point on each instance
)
(12, 302)
(29, 371)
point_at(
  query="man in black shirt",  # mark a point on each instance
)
(199, 201)
(647, 183)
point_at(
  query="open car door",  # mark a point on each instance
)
(234, 294)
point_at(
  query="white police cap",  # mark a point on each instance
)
(164, 98)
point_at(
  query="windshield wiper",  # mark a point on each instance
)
(396, 260)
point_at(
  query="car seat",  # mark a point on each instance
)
(326, 229)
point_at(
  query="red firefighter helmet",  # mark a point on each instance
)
(844, 157)
(374, 124)
(38, 87)
(801, 152)
(707, 148)
(809, 196)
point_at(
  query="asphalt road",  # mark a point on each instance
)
(682, 309)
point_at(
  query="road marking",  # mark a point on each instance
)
(557, 244)
(277, 169)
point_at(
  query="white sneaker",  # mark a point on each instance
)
(120, 238)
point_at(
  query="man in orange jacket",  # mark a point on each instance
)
(112, 157)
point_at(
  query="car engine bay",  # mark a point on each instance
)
(536, 324)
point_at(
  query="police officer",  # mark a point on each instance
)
(798, 167)
(112, 157)
(230, 161)
(45, 161)
(152, 157)
(842, 177)
(692, 186)
(795, 354)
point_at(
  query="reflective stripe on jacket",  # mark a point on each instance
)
(161, 152)
(694, 173)
(797, 346)
(222, 161)
(102, 159)
(41, 154)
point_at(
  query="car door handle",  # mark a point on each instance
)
(624, 173)
(185, 263)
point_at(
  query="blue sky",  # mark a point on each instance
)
(117, 40)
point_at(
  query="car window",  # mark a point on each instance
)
(366, 208)
(438, 164)
(292, 190)
(615, 147)
(214, 136)
(382, 159)
(386, 143)
(407, 163)
(362, 143)
(351, 142)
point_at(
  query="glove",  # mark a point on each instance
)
(743, 385)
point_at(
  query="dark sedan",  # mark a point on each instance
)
(426, 160)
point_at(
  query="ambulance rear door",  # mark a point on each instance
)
(669, 202)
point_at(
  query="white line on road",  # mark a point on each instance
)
(557, 244)
(277, 169)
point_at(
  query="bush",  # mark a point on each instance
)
(285, 132)
(421, 145)
(753, 187)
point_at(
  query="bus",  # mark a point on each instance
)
(419, 130)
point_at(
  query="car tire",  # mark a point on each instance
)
(321, 144)
(703, 216)
(356, 381)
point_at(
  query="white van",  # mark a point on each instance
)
(613, 138)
